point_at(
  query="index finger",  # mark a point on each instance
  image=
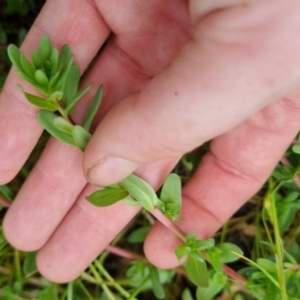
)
(74, 22)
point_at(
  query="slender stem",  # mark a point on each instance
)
(168, 223)
(278, 245)
(18, 267)
(103, 285)
(4, 203)
(139, 289)
(123, 253)
(110, 279)
(62, 112)
(85, 291)
(234, 275)
(70, 290)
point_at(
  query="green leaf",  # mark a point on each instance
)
(296, 149)
(29, 265)
(40, 102)
(93, 109)
(130, 202)
(138, 235)
(65, 57)
(216, 284)
(267, 265)
(197, 272)
(140, 190)
(63, 67)
(46, 119)
(186, 295)
(204, 244)
(63, 125)
(69, 109)
(41, 77)
(195, 254)
(57, 95)
(36, 59)
(291, 197)
(181, 251)
(156, 285)
(191, 238)
(107, 196)
(71, 85)
(53, 80)
(14, 55)
(213, 255)
(171, 195)
(227, 254)
(286, 214)
(45, 47)
(81, 137)
(27, 66)
(53, 58)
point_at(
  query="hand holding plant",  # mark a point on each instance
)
(228, 175)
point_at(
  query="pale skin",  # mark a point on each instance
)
(175, 74)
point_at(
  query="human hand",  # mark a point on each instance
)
(47, 196)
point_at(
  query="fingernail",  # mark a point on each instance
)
(110, 170)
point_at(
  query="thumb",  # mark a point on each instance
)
(216, 81)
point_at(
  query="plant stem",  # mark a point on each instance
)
(62, 112)
(103, 285)
(70, 290)
(111, 280)
(4, 203)
(123, 253)
(278, 245)
(18, 267)
(168, 223)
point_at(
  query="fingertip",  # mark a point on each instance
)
(52, 271)
(15, 236)
(110, 170)
(160, 246)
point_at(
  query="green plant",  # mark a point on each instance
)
(55, 76)
(274, 268)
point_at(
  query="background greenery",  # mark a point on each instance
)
(266, 229)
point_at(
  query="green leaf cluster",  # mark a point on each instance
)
(148, 277)
(55, 76)
(140, 191)
(216, 255)
(170, 200)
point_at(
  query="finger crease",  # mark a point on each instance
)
(225, 167)
(202, 208)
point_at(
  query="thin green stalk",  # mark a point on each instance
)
(138, 290)
(85, 291)
(118, 287)
(18, 268)
(103, 285)
(278, 246)
(224, 233)
(168, 223)
(70, 290)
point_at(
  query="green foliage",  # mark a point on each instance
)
(171, 197)
(215, 285)
(107, 196)
(47, 120)
(138, 235)
(273, 268)
(140, 191)
(93, 109)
